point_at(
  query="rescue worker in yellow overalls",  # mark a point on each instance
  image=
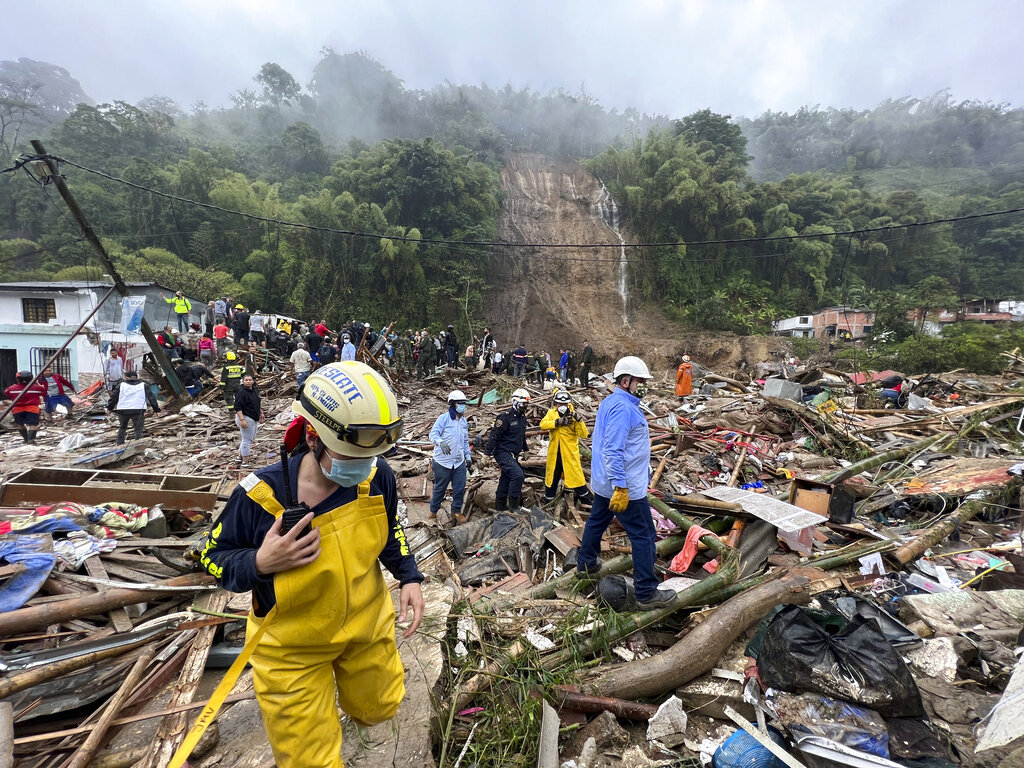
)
(322, 621)
(565, 429)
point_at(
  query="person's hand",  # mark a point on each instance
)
(411, 596)
(243, 423)
(619, 500)
(577, 416)
(282, 553)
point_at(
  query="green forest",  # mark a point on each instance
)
(414, 173)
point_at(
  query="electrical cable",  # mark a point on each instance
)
(490, 243)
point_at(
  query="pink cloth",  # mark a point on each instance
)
(681, 562)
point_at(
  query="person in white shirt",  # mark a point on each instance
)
(113, 369)
(302, 362)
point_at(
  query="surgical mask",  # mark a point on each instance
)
(460, 408)
(350, 472)
(562, 409)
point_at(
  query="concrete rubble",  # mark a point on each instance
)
(824, 506)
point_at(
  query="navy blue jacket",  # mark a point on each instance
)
(230, 554)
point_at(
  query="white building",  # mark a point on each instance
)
(36, 319)
(801, 326)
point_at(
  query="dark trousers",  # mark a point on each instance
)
(582, 492)
(138, 420)
(511, 481)
(585, 375)
(443, 476)
(640, 529)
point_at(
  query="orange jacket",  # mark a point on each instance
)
(684, 380)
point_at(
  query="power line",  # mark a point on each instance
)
(493, 244)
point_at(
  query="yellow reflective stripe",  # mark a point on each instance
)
(216, 701)
(383, 407)
(263, 495)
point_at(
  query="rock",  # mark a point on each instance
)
(606, 732)
(668, 725)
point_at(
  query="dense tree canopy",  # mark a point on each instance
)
(355, 151)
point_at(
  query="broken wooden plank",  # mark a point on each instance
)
(118, 616)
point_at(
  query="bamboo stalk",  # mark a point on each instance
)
(938, 532)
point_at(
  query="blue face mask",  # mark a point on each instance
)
(460, 408)
(349, 472)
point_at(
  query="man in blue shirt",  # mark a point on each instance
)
(450, 436)
(620, 472)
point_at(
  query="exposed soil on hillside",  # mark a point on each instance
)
(552, 298)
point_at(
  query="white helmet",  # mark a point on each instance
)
(562, 397)
(631, 366)
(456, 396)
(351, 408)
(520, 397)
(686, 358)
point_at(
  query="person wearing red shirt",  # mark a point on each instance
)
(220, 333)
(57, 388)
(26, 410)
(322, 329)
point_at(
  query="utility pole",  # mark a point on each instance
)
(108, 264)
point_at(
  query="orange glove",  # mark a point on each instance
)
(619, 500)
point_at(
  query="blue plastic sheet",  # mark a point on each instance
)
(26, 551)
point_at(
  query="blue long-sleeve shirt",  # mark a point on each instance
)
(451, 433)
(621, 447)
(230, 554)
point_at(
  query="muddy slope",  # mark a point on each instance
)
(554, 298)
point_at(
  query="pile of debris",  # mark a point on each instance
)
(849, 586)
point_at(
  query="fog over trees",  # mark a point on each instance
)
(354, 149)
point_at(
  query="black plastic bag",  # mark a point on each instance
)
(858, 664)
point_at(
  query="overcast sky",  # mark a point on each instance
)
(671, 57)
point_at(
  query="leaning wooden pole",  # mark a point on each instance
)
(85, 753)
(108, 264)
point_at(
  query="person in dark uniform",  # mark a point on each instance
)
(505, 442)
(586, 360)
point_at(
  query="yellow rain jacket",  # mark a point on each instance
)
(328, 638)
(567, 440)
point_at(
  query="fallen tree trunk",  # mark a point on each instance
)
(884, 458)
(41, 616)
(701, 649)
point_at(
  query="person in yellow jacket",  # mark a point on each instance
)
(565, 429)
(684, 378)
(322, 623)
(182, 309)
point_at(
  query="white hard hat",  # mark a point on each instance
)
(562, 396)
(521, 396)
(456, 396)
(686, 358)
(631, 366)
(351, 408)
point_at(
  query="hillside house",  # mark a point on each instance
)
(827, 323)
(36, 318)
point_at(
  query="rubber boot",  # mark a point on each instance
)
(515, 502)
(24, 433)
(501, 503)
(31, 436)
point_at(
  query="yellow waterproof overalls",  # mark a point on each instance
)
(332, 633)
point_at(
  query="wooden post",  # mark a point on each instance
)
(108, 264)
(84, 754)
